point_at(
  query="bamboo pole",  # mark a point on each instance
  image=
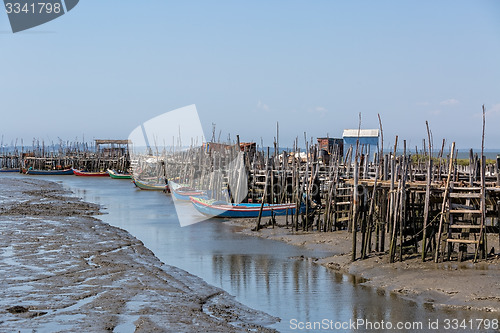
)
(482, 242)
(427, 192)
(355, 196)
(443, 206)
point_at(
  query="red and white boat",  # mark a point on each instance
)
(77, 172)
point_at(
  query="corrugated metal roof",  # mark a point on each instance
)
(353, 133)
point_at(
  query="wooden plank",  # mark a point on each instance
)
(465, 211)
(465, 241)
(465, 195)
(464, 226)
(466, 189)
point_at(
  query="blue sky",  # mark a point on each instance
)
(107, 66)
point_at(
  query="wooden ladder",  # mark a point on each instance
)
(468, 214)
(342, 206)
(465, 216)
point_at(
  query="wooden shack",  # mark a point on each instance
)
(112, 148)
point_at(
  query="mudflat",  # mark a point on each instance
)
(65, 270)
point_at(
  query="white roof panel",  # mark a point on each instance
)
(353, 133)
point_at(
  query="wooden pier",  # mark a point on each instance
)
(102, 155)
(399, 202)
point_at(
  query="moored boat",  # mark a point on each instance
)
(90, 174)
(49, 172)
(9, 170)
(116, 175)
(216, 208)
(184, 193)
(143, 185)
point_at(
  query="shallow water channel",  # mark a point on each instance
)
(262, 274)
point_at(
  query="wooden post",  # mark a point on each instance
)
(272, 198)
(298, 190)
(482, 242)
(383, 217)
(363, 224)
(497, 169)
(381, 151)
(427, 193)
(367, 163)
(440, 158)
(482, 236)
(393, 179)
(305, 225)
(355, 205)
(392, 246)
(370, 215)
(426, 207)
(402, 207)
(386, 167)
(498, 222)
(471, 167)
(443, 206)
(264, 196)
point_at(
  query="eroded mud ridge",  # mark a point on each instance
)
(64, 270)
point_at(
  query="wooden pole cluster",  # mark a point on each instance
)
(395, 198)
(388, 201)
(78, 155)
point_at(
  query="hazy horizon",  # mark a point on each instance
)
(106, 67)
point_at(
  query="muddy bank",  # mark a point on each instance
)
(449, 284)
(64, 270)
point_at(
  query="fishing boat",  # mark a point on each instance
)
(183, 193)
(116, 175)
(49, 172)
(9, 170)
(90, 174)
(216, 208)
(143, 185)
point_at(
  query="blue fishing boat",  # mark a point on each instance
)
(49, 172)
(216, 208)
(9, 170)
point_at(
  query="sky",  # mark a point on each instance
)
(313, 66)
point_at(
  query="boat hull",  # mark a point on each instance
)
(9, 170)
(113, 174)
(219, 209)
(150, 186)
(184, 193)
(49, 172)
(90, 174)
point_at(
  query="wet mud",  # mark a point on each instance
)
(65, 270)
